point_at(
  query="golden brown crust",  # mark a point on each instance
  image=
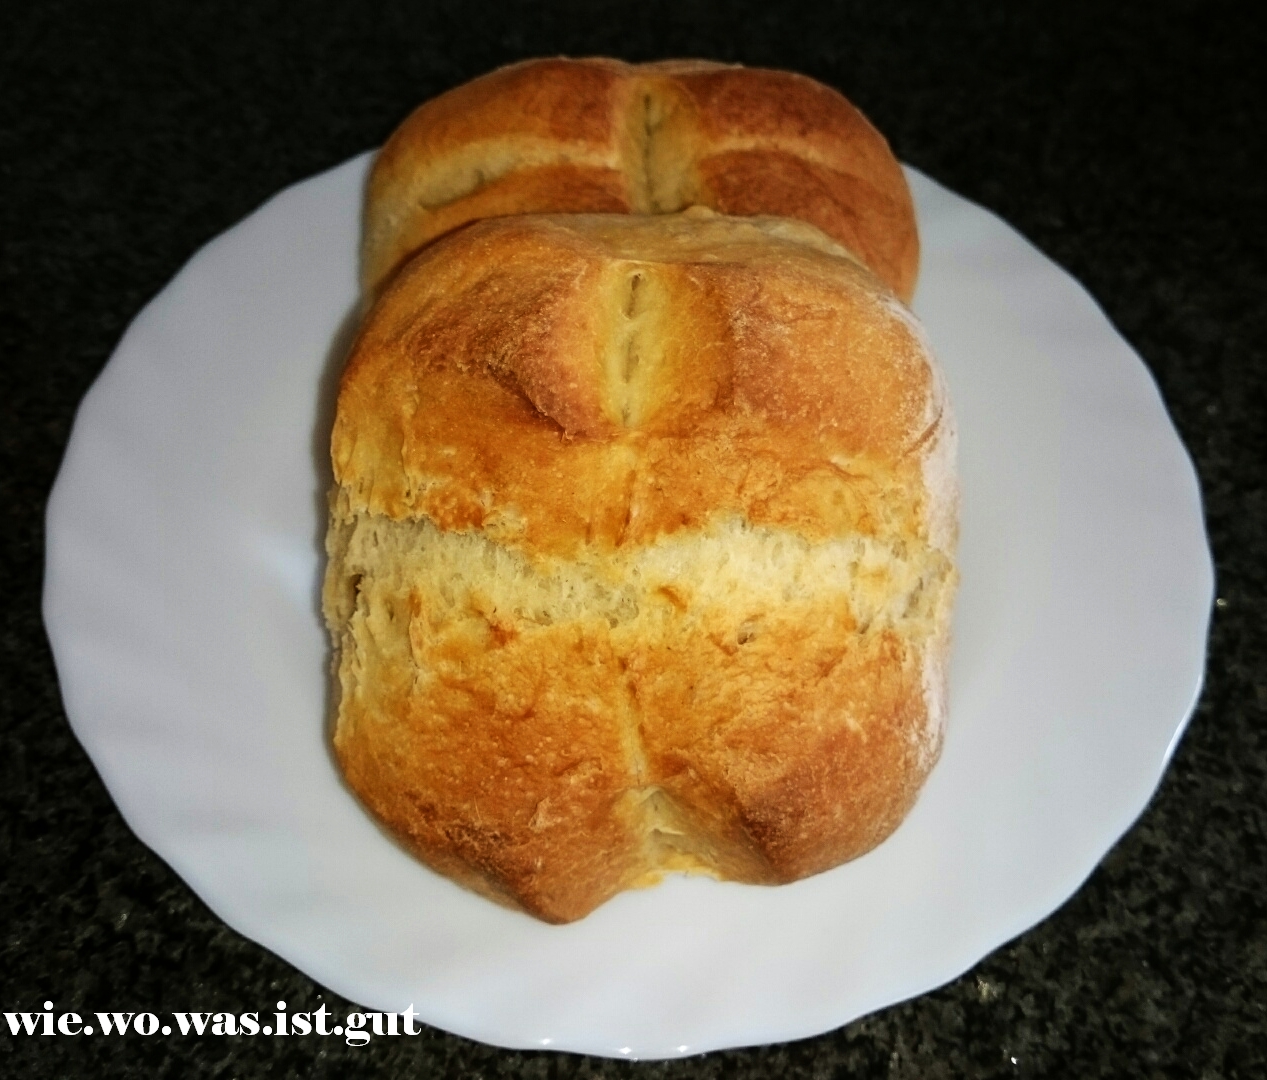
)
(602, 136)
(508, 765)
(779, 365)
(634, 555)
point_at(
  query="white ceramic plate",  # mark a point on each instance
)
(184, 540)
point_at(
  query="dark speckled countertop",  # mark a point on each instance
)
(1119, 138)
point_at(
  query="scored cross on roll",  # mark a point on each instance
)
(640, 554)
(602, 136)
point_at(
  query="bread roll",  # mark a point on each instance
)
(640, 555)
(601, 136)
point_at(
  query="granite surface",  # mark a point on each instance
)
(1121, 139)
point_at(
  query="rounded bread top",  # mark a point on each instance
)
(603, 136)
(564, 380)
